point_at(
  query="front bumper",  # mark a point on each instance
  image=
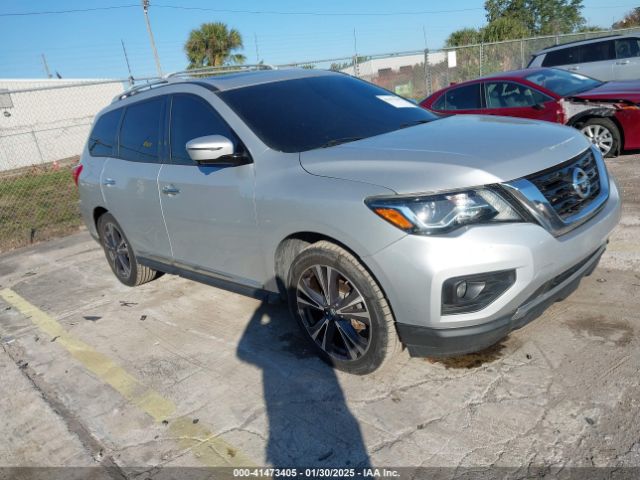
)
(412, 271)
(425, 341)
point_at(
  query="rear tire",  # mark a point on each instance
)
(341, 309)
(120, 255)
(604, 134)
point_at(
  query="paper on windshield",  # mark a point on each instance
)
(397, 101)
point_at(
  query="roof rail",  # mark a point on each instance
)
(221, 70)
(583, 40)
(138, 88)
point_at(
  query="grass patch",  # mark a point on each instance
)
(38, 204)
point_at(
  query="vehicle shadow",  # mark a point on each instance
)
(309, 422)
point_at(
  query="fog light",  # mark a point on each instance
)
(474, 292)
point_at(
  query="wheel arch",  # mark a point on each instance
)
(97, 213)
(293, 244)
(578, 120)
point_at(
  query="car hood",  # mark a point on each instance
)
(453, 152)
(613, 91)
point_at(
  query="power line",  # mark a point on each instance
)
(274, 12)
(340, 14)
(319, 14)
(55, 12)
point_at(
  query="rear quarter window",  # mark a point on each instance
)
(102, 140)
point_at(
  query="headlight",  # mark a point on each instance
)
(444, 212)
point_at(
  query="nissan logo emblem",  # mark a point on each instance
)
(581, 183)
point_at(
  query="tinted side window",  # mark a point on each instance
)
(512, 95)
(140, 131)
(439, 104)
(597, 52)
(627, 48)
(102, 140)
(463, 98)
(562, 57)
(192, 117)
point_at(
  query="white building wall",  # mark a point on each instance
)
(370, 68)
(47, 125)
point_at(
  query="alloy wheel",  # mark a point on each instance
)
(334, 312)
(117, 250)
(600, 136)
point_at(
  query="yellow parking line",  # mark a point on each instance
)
(207, 448)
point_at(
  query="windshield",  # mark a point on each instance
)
(323, 111)
(562, 82)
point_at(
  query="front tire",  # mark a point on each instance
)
(604, 134)
(120, 255)
(341, 309)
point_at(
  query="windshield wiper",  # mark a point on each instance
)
(338, 141)
(415, 122)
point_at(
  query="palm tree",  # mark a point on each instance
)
(212, 45)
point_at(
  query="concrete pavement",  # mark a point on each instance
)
(174, 373)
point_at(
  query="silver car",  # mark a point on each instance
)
(382, 225)
(614, 57)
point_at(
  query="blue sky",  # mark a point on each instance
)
(87, 44)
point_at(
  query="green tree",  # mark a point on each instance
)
(213, 45)
(504, 28)
(465, 36)
(540, 17)
(515, 19)
(631, 19)
(589, 29)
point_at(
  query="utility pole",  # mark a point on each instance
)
(427, 70)
(356, 69)
(126, 58)
(46, 67)
(145, 8)
(255, 39)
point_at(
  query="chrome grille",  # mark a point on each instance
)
(556, 184)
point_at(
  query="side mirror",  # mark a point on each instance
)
(213, 150)
(537, 106)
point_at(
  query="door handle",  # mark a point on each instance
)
(108, 182)
(170, 190)
(574, 68)
(623, 62)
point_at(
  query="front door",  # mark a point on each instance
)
(130, 180)
(209, 210)
(513, 99)
(627, 65)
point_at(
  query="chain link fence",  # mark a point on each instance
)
(45, 123)
(43, 127)
(418, 73)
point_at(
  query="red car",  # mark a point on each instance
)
(606, 112)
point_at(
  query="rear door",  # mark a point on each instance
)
(101, 145)
(130, 181)
(209, 210)
(512, 99)
(627, 64)
(597, 60)
(592, 59)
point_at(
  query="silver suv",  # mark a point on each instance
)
(615, 57)
(380, 223)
